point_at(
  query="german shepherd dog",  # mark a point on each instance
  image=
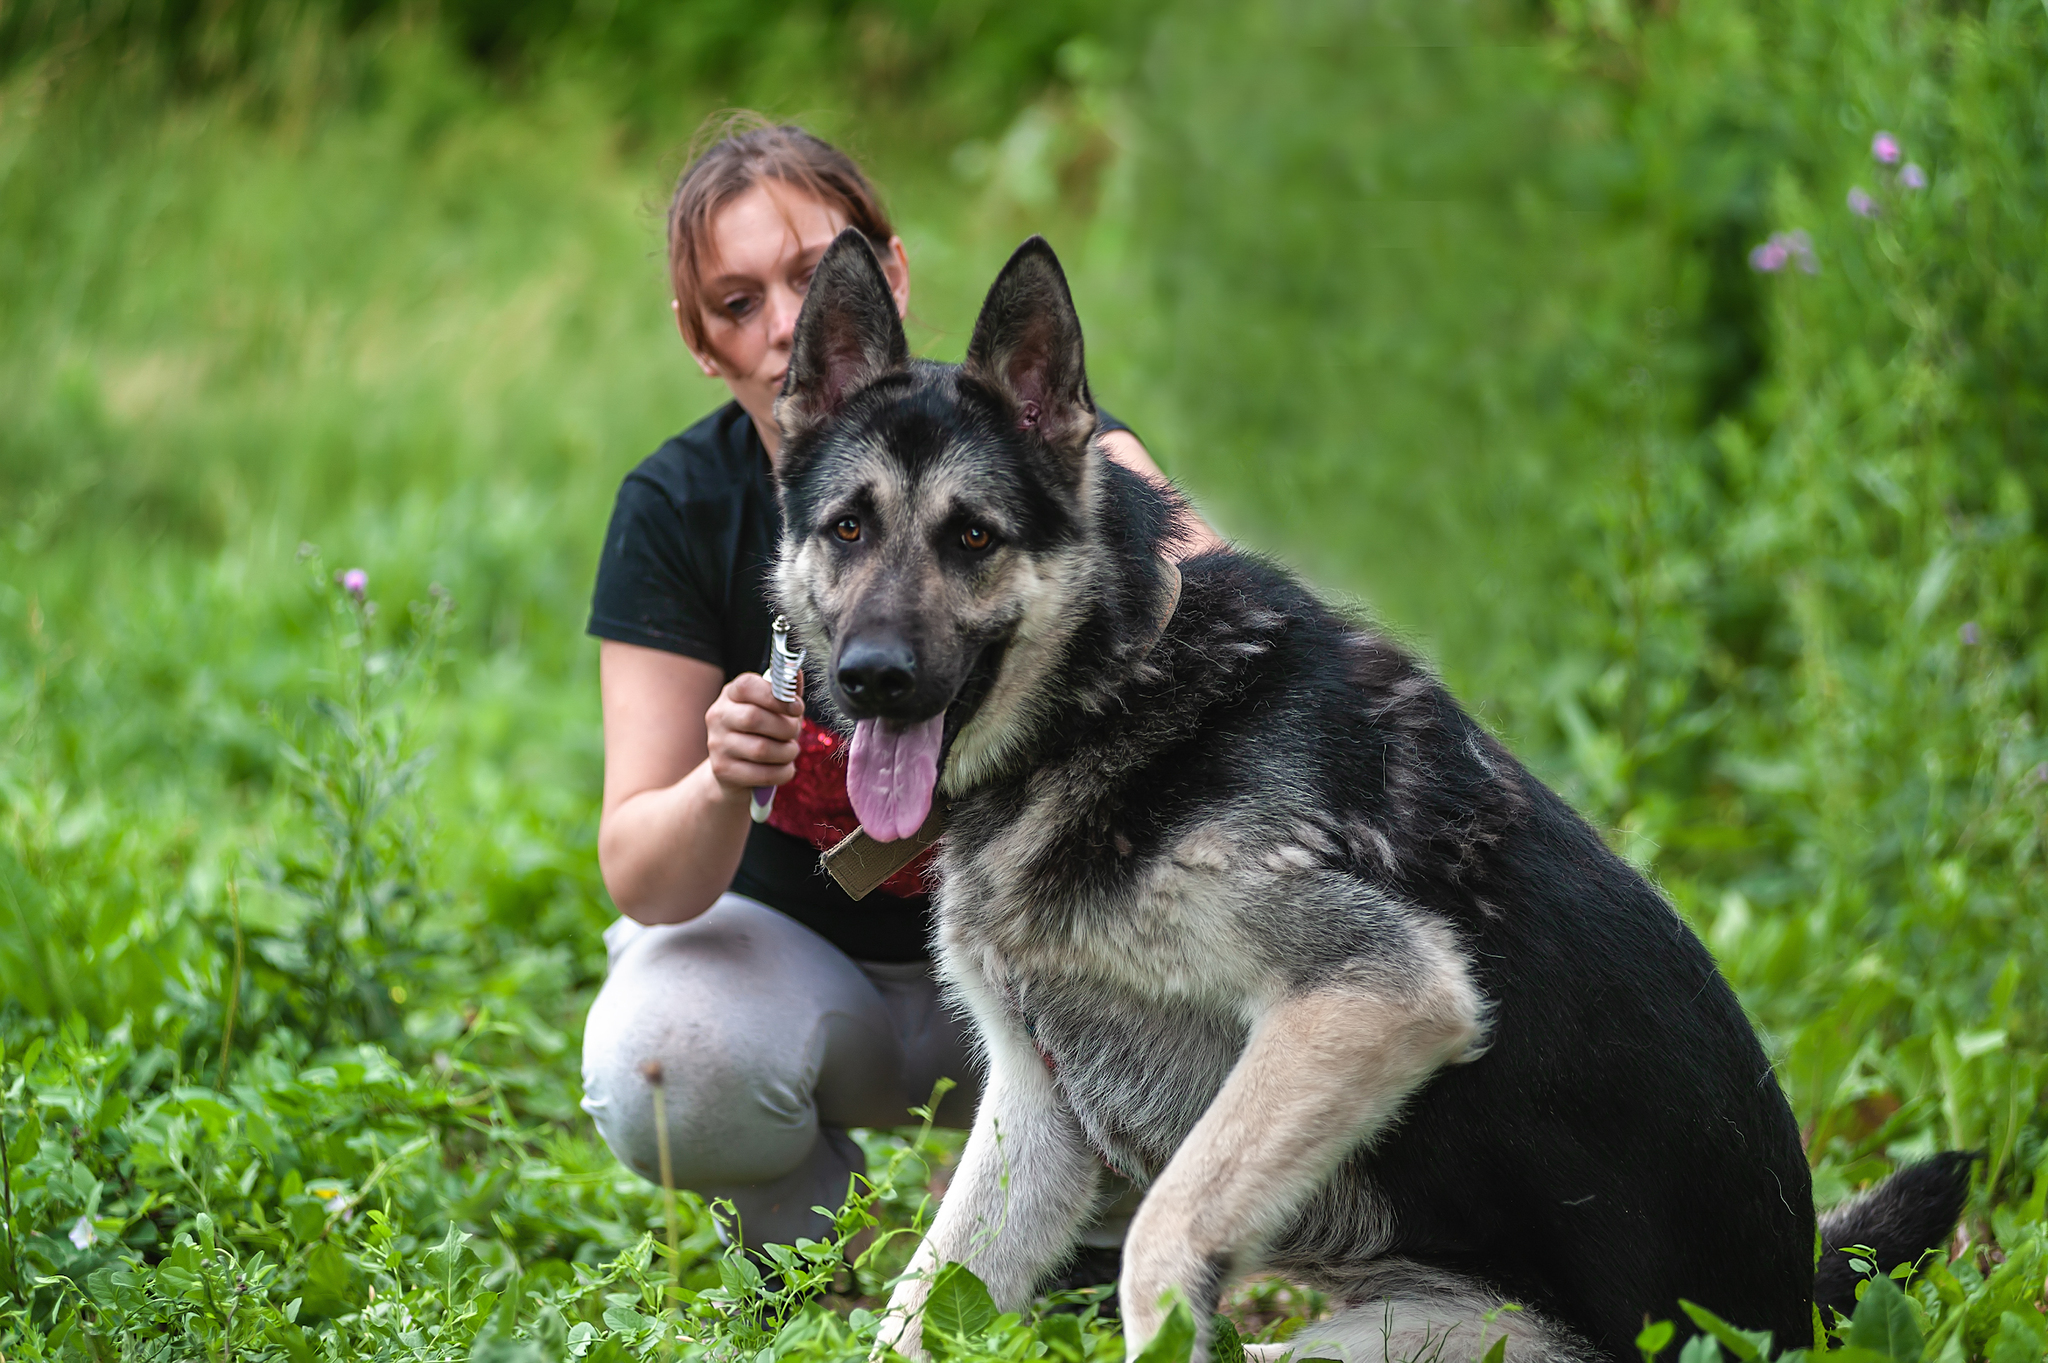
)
(1245, 908)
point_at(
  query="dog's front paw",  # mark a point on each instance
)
(1153, 1284)
(902, 1328)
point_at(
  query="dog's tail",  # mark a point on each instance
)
(1900, 1219)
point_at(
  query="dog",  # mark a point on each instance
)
(1245, 908)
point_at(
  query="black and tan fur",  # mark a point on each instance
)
(1249, 910)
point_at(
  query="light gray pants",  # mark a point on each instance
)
(770, 1042)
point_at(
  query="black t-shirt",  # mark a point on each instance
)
(687, 569)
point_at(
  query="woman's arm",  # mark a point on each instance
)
(681, 755)
(1129, 451)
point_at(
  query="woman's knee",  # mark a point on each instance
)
(725, 1120)
(701, 1015)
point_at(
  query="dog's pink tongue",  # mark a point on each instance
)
(890, 773)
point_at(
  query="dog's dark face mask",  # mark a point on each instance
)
(925, 506)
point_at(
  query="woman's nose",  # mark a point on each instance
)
(783, 306)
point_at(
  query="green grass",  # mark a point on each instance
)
(1451, 309)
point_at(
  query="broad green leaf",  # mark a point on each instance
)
(1700, 1349)
(2019, 1340)
(1498, 1352)
(494, 1346)
(1061, 1334)
(1655, 1338)
(625, 1320)
(1175, 1339)
(1884, 1323)
(326, 1280)
(959, 1306)
(1744, 1344)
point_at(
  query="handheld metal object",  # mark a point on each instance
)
(784, 667)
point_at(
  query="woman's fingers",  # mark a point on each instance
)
(773, 752)
(751, 775)
(752, 735)
(751, 688)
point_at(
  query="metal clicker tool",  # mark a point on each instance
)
(784, 668)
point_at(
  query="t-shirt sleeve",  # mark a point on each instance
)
(1105, 423)
(649, 592)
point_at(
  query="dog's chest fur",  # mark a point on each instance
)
(1137, 986)
(1159, 878)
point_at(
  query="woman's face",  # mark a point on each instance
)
(756, 267)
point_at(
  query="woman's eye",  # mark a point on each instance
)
(847, 528)
(803, 282)
(976, 538)
(738, 306)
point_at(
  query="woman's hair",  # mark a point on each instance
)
(733, 152)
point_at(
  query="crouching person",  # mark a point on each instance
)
(775, 1010)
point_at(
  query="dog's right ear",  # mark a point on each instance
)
(847, 336)
(1027, 347)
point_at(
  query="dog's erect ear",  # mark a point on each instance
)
(1027, 346)
(847, 336)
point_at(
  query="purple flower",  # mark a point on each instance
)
(1785, 248)
(1912, 177)
(1969, 634)
(1885, 148)
(355, 582)
(1861, 204)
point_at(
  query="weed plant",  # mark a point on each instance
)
(1612, 354)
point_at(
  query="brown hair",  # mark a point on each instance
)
(736, 150)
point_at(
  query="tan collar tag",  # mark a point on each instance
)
(860, 863)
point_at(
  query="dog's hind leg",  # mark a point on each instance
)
(1027, 1179)
(1407, 1312)
(1322, 1072)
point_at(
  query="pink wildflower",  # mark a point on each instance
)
(355, 582)
(1861, 204)
(1912, 177)
(1885, 148)
(1969, 633)
(1785, 248)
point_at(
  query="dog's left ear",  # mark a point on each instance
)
(847, 336)
(1027, 346)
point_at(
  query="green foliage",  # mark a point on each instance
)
(1451, 306)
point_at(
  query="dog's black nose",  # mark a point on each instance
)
(876, 671)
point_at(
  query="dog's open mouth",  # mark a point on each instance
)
(892, 768)
(891, 771)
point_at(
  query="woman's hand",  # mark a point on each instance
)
(752, 735)
(682, 749)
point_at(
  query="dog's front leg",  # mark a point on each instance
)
(1025, 1182)
(1321, 1072)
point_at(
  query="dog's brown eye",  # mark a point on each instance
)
(974, 537)
(848, 528)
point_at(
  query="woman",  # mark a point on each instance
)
(766, 1009)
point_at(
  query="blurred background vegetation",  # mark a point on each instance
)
(1460, 309)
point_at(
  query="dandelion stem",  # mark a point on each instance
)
(652, 1070)
(7, 1181)
(227, 1031)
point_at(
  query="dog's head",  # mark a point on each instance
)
(932, 516)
